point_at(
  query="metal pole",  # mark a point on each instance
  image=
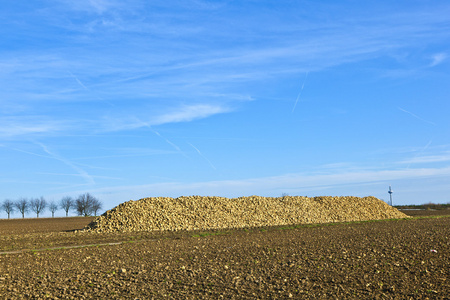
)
(390, 194)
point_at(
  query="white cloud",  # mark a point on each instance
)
(100, 5)
(185, 113)
(428, 159)
(97, 6)
(21, 126)
(437, 59)
(189, 113)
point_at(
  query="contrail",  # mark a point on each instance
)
(166, 140)
(80, 171)
(79, 82)
(420, 152)
(158, 134)
(427, 145)
(198, 151)
(416, 116)
(27, 152)
(299, 94)
(88, 89)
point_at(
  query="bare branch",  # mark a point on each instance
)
(86, 205)
(38, 205)
(67, 203)
(8, 207)
(22, 206)
(53, 207)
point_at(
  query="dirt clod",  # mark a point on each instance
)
(388, 259)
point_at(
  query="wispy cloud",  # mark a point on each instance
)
(185, 75)
(125, 152)
(29, 125)
(157, 63)
(189, 113)
(78, 175)
(428, 159)
(289, 48)
(100, 5)
(26, 152)
(437, 59)
(20, 126)
(183, 113)
(297, 183)
(93, 6)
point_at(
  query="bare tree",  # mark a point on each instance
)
(53, 207)
(8, 206)
(22, 206)
(96, 206)
(84, 205)
(67, 203)
(38, 205)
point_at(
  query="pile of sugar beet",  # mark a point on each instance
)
(202, 213)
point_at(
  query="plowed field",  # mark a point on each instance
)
(391, 259)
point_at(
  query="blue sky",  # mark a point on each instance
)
(133, 99)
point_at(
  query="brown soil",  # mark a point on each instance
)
(425, 212)
(391, 259)
(42, 225)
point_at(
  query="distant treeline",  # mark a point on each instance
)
(84, 205)
(435, 206)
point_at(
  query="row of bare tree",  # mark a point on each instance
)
(84, 205)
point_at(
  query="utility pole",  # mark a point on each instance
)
(390, 194)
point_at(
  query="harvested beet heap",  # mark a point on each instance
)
(199, 212)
